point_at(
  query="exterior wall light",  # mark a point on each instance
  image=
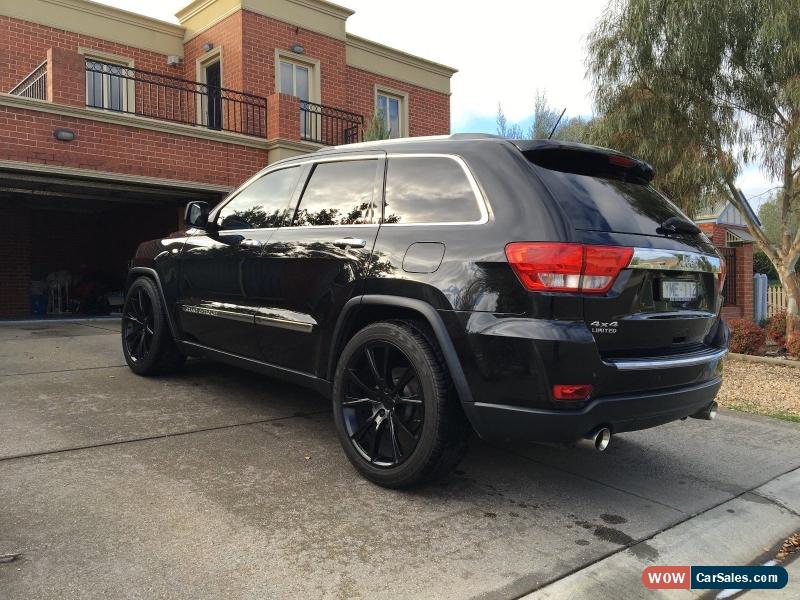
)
(208, 47)
(62, 134)
(173, 60)
(297, 49)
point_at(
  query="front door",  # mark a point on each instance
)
(221, 279)
(319, 260)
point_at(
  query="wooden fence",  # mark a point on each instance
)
(776, 299)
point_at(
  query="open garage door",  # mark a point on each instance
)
(66, 238)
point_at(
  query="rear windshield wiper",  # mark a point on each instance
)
(675, 225)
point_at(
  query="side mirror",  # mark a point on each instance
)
(196, 215)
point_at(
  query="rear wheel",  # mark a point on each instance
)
(395, 413)
(146, 339)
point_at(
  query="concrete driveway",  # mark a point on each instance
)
(220, 483)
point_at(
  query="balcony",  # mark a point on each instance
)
(79, 81)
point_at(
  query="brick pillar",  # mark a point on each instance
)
(15, 268)
(744, 279)
(66, 77)
(283, 117)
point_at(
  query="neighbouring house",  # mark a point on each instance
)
(111, 121)
(726, 228)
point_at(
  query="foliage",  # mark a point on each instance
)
(746, 337)
(701, 89)
(793, 345)
(545, 118)
(762, 264)
(776, 328)
(377, 129)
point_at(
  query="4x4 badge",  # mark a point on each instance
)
(602, 327)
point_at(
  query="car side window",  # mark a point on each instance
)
(428, 190)
(261, 204)
(338, 193)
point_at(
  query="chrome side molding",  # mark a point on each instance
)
(272, 317)
(674, 260)
(640, 364)
(216, 312)
(284, 323)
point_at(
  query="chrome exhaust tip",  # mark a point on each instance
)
(598, 440)
(709, 413)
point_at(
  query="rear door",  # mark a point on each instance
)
(668, 300)
(318, 260)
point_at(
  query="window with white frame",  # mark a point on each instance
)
(108, 82)
(391, 109)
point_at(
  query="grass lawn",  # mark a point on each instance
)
(770, 390)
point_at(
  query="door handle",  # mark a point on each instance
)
(349, 242)
(250, 243)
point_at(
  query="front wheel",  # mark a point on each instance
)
(146, 338)
(395, 413)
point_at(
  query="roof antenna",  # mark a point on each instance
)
(557, 122)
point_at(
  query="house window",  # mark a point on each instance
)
(391, 108)
(108, 82)
(300, 78)
(295, 79)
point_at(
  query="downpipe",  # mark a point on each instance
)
(709, 413)
(598, 440)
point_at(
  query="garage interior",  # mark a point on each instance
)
(66, 241)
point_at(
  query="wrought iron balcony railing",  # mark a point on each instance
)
(329, 126)
(34, 85)
(134, 91)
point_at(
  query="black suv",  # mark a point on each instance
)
(433, 286)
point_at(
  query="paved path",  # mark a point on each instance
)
(219, 483)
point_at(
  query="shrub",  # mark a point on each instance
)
(793, 345)
(746, 337)
(776, 328)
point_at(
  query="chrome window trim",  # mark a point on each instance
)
(480, 199)
(666, 362)
(674, 260)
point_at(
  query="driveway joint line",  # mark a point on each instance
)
(777, 503)
(593, 480)
(156, 437)
(660, 531)
(62, 371)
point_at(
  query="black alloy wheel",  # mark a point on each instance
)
(138, 325)
(383, 407)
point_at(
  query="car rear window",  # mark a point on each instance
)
(598, 203)
(430, 189)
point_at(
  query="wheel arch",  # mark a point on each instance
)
(362, 310)
(136, 272)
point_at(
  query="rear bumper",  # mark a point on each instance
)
(629, 412)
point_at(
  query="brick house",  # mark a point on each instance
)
(111, 121)
(727, 230)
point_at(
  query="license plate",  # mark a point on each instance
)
(678, 291)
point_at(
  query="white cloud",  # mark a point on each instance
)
(504, 51)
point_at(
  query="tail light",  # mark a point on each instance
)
(555, 267)
(723, 269)
(572, 391)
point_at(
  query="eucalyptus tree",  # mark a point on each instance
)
(701, 88)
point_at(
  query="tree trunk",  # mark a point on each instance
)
(791, 285)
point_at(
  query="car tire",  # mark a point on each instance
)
(398, 430)
(146, 337)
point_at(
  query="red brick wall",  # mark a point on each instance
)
(24, 45)
(428, 111)
(743, 303)
(226, 34)
(15, 266)
(27, 135)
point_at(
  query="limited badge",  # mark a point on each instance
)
(601, 327)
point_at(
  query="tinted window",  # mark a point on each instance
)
(428, 190)
(262, 203)
(338, 193)
(600, 204)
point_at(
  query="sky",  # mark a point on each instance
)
(503, 55)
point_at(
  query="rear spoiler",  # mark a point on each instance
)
(583, 159)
